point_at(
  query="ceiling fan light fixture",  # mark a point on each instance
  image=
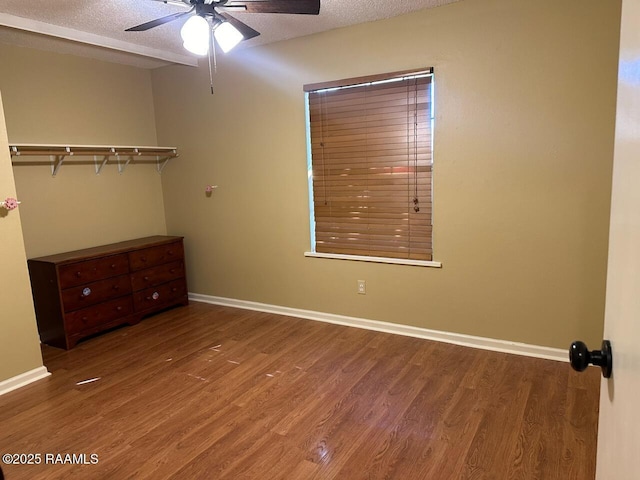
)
(227, 36)
(195, 35)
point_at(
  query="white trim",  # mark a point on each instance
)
(483, 343)
(362, 258)
(66, 33)
(23, 379)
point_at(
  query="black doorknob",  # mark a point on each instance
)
(580, 357)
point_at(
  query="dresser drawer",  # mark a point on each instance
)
(91, 293)
(97, 315)
(149, 257)
(159, 295)
(157, 275)
(91, 270)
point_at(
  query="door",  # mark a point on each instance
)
(619, 423)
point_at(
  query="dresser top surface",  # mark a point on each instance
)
(110, 249)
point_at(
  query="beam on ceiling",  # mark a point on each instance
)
(79, 36)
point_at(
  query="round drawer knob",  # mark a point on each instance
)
(86, 292)
(118, 308)
(146, 279)
(155, 296)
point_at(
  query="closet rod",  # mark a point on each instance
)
(59, 153)
(48, 149)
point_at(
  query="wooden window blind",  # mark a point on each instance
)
(371, 162)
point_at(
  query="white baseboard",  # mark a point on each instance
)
(23, 379)
(492, 344)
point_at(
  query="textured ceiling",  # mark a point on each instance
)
(37, 23)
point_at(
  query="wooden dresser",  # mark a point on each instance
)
(80, 293)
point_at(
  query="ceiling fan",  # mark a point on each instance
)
(227, 30)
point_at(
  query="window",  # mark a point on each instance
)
(370, 168)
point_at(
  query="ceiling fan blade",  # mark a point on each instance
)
(304, 7)
(246, 31)
(157, 22)
(179, 3)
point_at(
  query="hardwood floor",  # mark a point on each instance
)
(207, 392)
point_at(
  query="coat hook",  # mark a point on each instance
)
(10, 203)
(209, 189)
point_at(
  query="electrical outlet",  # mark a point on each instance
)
(362, 287)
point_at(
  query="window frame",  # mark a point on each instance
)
(360, 82)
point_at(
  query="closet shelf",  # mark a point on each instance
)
(102, 155)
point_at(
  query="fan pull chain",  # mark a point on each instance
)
(212, 51)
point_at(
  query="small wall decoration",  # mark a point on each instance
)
(9, 203)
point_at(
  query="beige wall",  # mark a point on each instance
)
(525, 98)
(19, 343)
(61, 99)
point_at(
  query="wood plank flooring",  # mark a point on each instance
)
(207, 392)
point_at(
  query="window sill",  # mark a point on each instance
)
(395, 261)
